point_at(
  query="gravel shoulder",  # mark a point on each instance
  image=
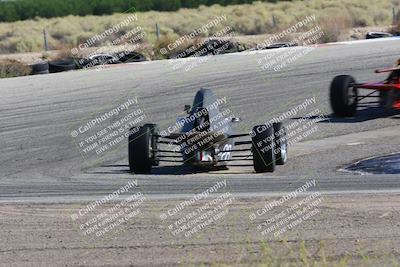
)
(361, 230)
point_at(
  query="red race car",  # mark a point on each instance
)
(345, 98)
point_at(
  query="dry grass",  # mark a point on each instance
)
(13, 68)
(162, 43)
(395, 29)
(256, 18)
(303, 256)
(333, 27)
(62, 53)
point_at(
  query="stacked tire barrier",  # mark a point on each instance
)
(61, 65)
(40, 68)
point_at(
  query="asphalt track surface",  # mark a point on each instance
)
(40, 162)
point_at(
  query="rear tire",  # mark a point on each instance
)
(263, 149)
(281, 145)
(141, 149)
(343, 96)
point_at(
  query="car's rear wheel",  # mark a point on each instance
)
(141, 149)
(281, 144)
(263, 147)
(343, 96)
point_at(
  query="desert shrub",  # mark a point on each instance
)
(333, 26)
(395, 29)
(24, 44)
(380, 17)
(162, 44)
(63, 52)
(13, 68)
(247, 19)
(29, 9)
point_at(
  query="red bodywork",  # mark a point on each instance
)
(392, 83)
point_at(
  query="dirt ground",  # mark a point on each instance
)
(362, 230)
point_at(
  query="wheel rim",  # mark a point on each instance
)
(284, 152)
(351, 96)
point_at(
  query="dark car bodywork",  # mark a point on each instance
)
(206, 140)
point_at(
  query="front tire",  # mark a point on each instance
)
(263, 149)
(343, 96)
(141, 149)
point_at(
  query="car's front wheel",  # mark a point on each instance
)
(141, 149)
(263, 148)
(343, 96)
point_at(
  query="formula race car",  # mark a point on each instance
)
(345, 98)
(204, 139)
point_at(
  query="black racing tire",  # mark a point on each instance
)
(141, 149)
(61, 65)
(40, 68)
(129, 56)
(281, 144)
(343, 96)
(263, 148)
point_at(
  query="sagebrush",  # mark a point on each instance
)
(13, 68)
(246, 19)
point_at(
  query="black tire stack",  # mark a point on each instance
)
(68, 64)
(129, 56)
(40, 68)
(61, 65)
(54, 66)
